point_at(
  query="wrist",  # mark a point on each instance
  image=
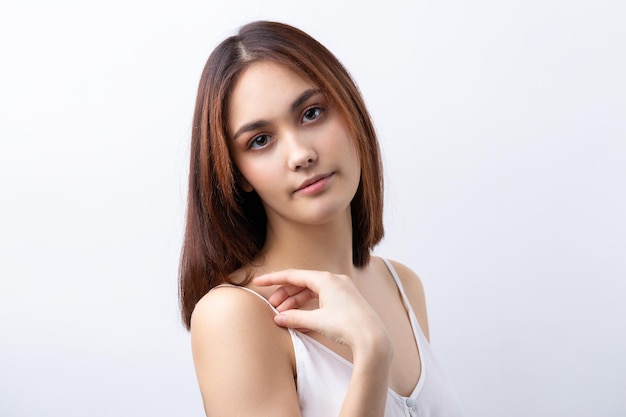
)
(374, 350)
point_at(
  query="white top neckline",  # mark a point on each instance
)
(415, 328)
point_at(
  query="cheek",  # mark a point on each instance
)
(350, 148)
(340, 133)
(257, 174)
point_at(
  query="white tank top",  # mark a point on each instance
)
(323, 376)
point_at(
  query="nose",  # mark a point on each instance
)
(301, 154)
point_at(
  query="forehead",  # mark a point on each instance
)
(264, 91)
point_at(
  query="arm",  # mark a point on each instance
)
(243, 361)
(345, 317)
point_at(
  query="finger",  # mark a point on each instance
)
(284, 292)
(299, 277)
(297, 319)
(297, 300)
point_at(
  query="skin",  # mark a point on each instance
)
(284, 133)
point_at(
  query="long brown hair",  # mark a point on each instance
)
(225, 226)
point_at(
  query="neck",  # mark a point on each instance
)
(326, 247)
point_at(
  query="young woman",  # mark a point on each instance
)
(289, 313)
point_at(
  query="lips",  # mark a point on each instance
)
(309, 182)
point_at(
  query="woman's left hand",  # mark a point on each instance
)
(343, 314)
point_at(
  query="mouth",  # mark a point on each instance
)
(313, 183)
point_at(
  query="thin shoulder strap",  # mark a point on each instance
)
(251, 292)
(396, 278)
(417, 330)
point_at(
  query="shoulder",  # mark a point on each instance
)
(238, 348)
(229, 309)
(414, 290)
(227, 315)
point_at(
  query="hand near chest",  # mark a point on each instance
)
(343, 315)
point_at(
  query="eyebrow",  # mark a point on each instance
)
(302, 98)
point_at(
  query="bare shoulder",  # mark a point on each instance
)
(415, 292)
(237, 348)
(232, 312)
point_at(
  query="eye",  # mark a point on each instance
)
(311, 114)
(259, 142)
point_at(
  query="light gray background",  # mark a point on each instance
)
(503, 131)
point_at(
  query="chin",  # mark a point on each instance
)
(326, 215)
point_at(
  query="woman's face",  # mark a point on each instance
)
(291, 146)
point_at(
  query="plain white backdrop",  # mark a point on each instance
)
(504, 138)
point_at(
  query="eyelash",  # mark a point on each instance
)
(254, 141)
(319, 113)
